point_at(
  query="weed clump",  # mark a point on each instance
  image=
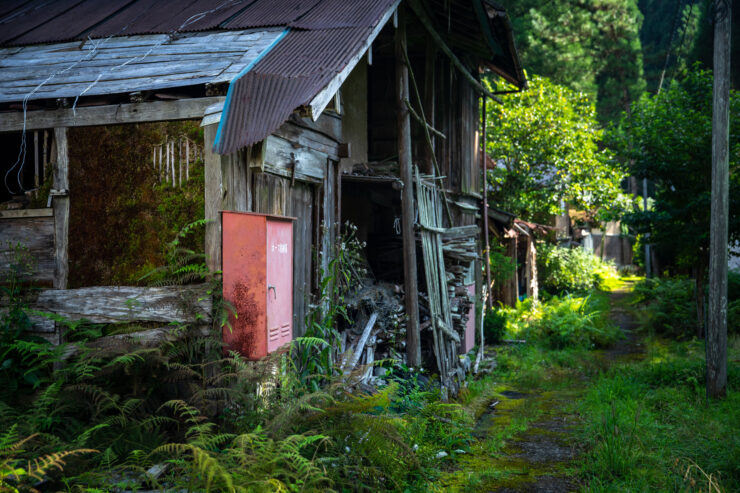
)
(565, 321)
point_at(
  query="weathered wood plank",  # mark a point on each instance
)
(15, 213)
(281, 155)
(309, 138)
(34, 233)
(120, 65)
(184, 109)
(460, 232)
(213, 197)
(114, 304)
(60, 202)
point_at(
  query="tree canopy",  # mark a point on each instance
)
(590, 46)
(667, 138)
(545, 143)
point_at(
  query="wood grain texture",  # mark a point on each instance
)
(34, 233)
(112, 304)
(60, 204)
(213, 197)
(126, 64)
(184, 109)
(310, 164)
(413, 338)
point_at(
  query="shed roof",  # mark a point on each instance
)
(284, 52)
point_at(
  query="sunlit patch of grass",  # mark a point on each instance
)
(643, 418)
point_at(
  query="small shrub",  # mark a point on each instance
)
(494, 326)
(572, 270)
(560, 322)
(670, 307)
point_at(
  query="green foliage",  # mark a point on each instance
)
(645, 422)
(18, 475)
(561, 322)
(545, 142)
(591, 47)
(571, 269)
(667, 137)
(315, 354)
(502, 266)
(669, 306)
(494, 326)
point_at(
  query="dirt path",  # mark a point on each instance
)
(525, 438)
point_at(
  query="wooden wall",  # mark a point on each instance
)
(34, 230)
(294, 173)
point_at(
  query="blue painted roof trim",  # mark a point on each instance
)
(225, 113)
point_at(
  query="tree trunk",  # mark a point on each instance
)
(716, 343)
(700, 283)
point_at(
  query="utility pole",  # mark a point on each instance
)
(413, 344)
(716, 339)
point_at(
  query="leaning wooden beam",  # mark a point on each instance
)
(418, 9)
(361, 343)
(183, 109)
(413, 338)
(59, 196)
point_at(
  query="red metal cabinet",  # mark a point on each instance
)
(257, 255)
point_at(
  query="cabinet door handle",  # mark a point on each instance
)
(274, 291)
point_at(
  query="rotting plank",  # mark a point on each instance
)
(213, 197)
(281, 155)
(60, 202)
(115, 304)
(35, 234)
(184, 109)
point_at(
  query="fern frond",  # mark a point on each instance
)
(39, 468)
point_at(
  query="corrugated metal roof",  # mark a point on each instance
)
(325, 37)
(126, 64)
(298, 68)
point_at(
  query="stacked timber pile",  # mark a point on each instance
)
(459, 248)
(378, 331)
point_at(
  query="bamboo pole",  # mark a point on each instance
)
(413, 342)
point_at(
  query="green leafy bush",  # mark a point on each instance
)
(560, 322)
(571, 269)
(494, 326)
(669, 305)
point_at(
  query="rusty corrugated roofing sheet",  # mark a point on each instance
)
(323, 36)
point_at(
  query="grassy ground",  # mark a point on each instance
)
(630, 417)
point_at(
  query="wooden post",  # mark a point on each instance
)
(36, 173)
(213, 195)
(226, 189)
(487, 252)
(60, 202)
(429, 93)
(716, 340)
(413, 346)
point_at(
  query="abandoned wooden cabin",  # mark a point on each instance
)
(325, 111)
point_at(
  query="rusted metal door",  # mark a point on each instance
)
(257, 281)
(279, 283)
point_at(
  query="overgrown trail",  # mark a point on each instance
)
(525, 434)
